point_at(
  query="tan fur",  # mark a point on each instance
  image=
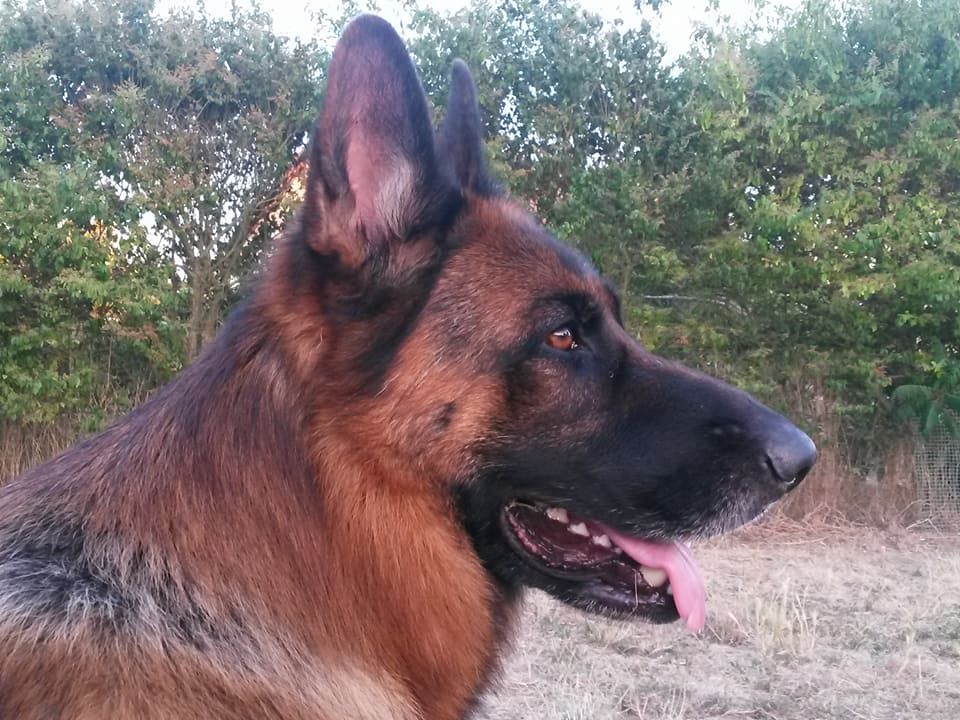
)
(274, 535)
(361, 595)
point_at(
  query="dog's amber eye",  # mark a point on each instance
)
(562, 339)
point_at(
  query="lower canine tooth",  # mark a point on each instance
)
(669, 590)
(558, 514)
(654, 577)
(579, 529)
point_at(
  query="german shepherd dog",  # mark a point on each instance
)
(426, 404)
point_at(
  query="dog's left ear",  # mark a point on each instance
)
(460, 138)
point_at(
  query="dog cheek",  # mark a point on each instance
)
(447, 419)
(550, 402)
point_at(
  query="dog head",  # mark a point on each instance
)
(485, 358)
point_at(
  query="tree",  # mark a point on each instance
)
(192, 118)
(222, 114)
(85, 308)
(559, 89)
(144, 160)
(87, 320)
(843, 245)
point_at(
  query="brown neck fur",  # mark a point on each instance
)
(231, 485)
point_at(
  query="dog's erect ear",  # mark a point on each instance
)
(374, 178)
(461, 134)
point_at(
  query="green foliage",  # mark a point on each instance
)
(558, 88)
(932, 410)
(217, 115)
(142, 160)
(845, 245)
(935, 407)
(85, 309)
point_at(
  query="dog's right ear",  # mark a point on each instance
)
(461, 134)
(374, 180)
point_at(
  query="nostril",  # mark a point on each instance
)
(788, 481)
(791, 457)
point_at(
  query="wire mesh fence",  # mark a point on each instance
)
(937, 468)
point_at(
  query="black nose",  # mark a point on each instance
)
(790, 454)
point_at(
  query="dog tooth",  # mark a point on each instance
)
(601, 540)
(654, 577)
(558, 514)
(579, 529)
(669, 590)
(617, 550)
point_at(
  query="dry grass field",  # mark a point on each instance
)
(803, 624)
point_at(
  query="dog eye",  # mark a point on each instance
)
(562, 339)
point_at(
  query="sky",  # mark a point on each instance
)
(674, 24)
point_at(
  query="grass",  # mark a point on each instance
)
(809, 624)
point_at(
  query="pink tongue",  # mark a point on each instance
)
(677, 561)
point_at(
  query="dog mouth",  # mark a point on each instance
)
(609, 571)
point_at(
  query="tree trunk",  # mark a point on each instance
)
(199, 279)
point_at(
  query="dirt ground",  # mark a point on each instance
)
(803, 624)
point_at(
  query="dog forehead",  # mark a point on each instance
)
(512, 254)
